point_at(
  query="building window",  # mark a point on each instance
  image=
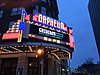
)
(49, 3)
(36, 9)
(43, 10)
(20, 10)
(1, 14)
(43, 0)
(49, 13)
(16, 11)
(53, 13)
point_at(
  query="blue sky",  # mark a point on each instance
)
(75, 14)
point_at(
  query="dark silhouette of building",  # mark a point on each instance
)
(94, 10)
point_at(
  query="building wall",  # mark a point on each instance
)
(22, 63)
(94, 10)
(46, 7)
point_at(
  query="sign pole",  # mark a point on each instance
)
(21, 31)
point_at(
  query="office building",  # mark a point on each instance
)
(94, 10)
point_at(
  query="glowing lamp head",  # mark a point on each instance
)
(39, 51)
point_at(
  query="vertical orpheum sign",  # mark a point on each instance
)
(22, 25)
(71, 38)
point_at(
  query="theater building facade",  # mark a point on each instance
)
(32, 39)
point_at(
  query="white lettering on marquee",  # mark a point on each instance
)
(44, 19)
(48, 32)
(50, 21)
(40, 18)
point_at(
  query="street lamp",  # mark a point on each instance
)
(39, 55)
(39, 52)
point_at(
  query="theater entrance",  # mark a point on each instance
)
(33, 67)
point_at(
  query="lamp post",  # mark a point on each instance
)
(42, 53)
(45, 62)
(39, 53)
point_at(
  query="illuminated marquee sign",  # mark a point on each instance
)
(51, 35)
(49, 29)
(49, 22)
(43, 28)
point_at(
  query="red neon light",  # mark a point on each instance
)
(8, 36)
(71, 38)
(35, 17)
(65, 27)
(27, 17)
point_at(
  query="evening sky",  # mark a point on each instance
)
(75, 14)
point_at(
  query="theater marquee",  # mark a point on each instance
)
(43, 28)
(49, 29)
